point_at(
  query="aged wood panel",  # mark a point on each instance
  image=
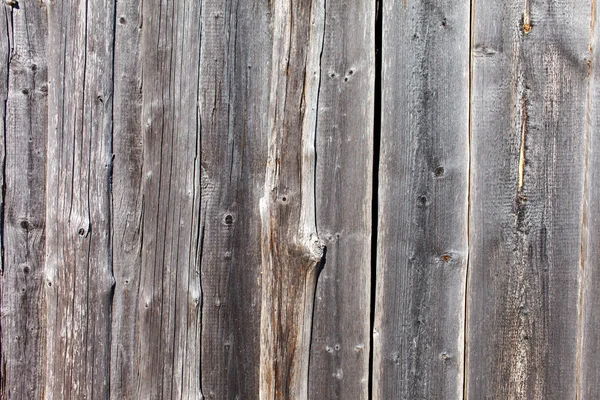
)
(589, 365)
(234, 95)
(529, 98)
(291, 249)
(423, 191)
(78, 269)
(24, 127)
(168, 320)
(339, 360)
(127, 200)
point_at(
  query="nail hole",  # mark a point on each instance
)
(81, 232)
(351, 72)
(439, 171)
(228, 219)
(423, 200)
(25, 91)
(446, 257)
(26, 269)
(122, 20)
(284, 199)
(24, 225)
(346, 79)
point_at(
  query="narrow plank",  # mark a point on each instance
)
(339, 360)
(25, 122)
(529, 98)
(167, 341)
(78, 271)
(234, 95)
(423, 191)
(589, 366)
(291, 249)
(127, 199)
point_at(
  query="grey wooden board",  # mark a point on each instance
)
(234, 94)
(589, 364)
(25, 124)
(78, 272)
(423, 189)
(529, 99)
(127, 201)
(169, 299)
(344, 145)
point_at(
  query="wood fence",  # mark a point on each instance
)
(300, 199)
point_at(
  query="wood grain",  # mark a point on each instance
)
(24, 133)
(78, 271)
(339, 359)
(127, 200)
(234, 95)
(588, 367)
(291, 249)
(530, 82)
(168, 318)
(423, 188)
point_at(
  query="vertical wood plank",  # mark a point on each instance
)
(339, 360)
(78, 271)
(24, 133)
(167, 344)
(423, 191)
(291, 249)
(529, 91)
(234, 95)
(589, 365)
(127, 199)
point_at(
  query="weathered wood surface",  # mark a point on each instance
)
(423, 190)
(529, 100)
(339, 359)
(78, 279)
(24, 69)
(589, 364)
(188, 191)
(234, 94)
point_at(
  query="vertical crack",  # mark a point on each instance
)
(375, 183)
(580, 322)
(469, 186)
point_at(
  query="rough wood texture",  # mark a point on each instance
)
(589, 363)
(126, 206)
(167, 348)
(423, 190)
(78, 270)
(529, 92)
(291, 249)
(234, 95)
(25, 126)
(339, 360)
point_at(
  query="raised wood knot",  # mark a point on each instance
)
(315, 247)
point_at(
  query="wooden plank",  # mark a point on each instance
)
(423, 188)
(234, 95)
(127, 200)
(168, 321)
(589, 365)
(78, 271)
(529, 98)
(24, 132)
(291, 249)
(339, 359)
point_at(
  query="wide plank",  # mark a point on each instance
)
(529, 98)
(423, 190)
